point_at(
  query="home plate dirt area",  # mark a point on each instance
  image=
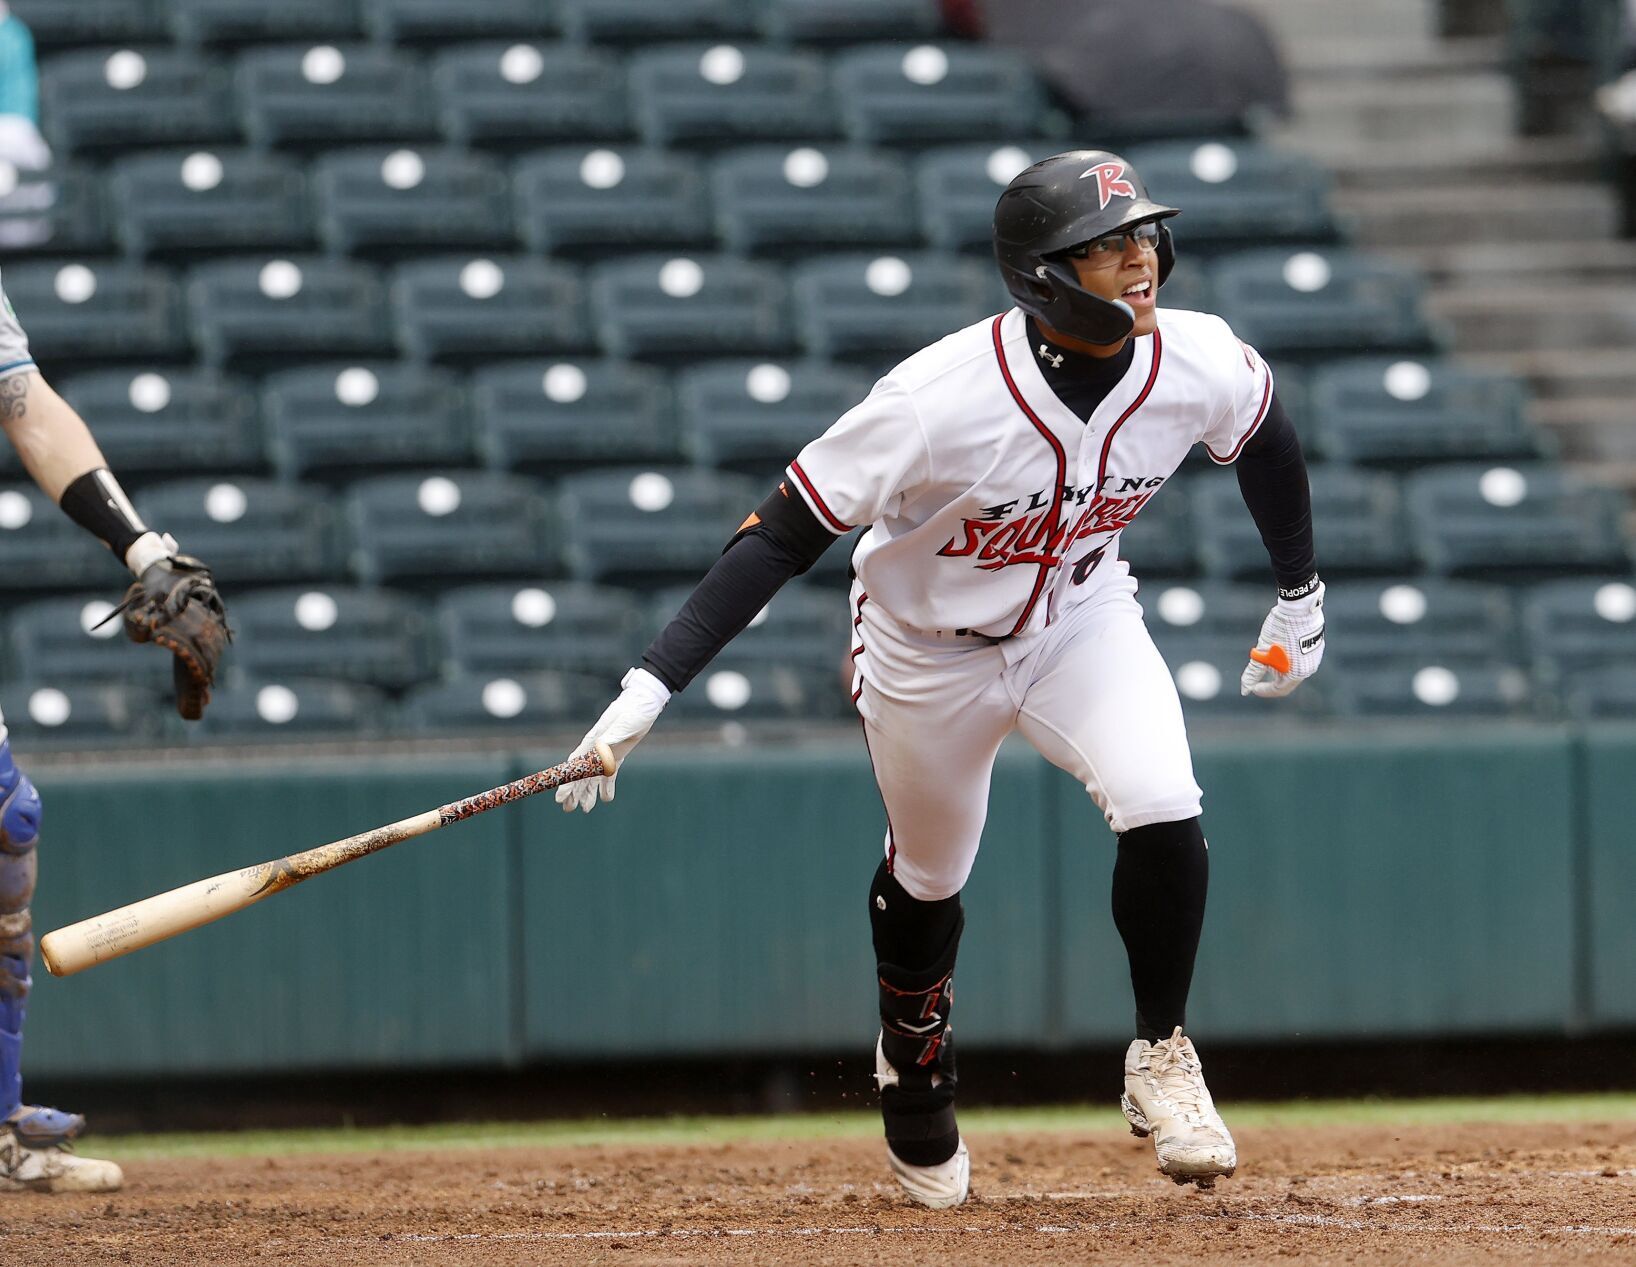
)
(1424, 1194)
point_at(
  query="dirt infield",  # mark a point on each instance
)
(1447, 1195)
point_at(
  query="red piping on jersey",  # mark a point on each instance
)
(1152, 377)
(891, 840)
(1266, 399)
(835, 524)
(1056, 488)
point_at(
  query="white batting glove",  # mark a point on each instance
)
(1290, 648)
(621, 727)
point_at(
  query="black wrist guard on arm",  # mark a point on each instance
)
(97, 503)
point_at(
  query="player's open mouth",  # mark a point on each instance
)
(1141, 293)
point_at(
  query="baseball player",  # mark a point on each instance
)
(173, 602)
(996, 470)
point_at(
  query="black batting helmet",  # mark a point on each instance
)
(1055, 205)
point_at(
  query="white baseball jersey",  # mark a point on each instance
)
(14, 353)
(993, 508)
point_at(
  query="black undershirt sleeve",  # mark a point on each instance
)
(1272, 476)
(781, 540)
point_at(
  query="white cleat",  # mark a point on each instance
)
(936, 1187)
(1165, 1097)
(52, 1168)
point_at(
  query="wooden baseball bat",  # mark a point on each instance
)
(75, 947)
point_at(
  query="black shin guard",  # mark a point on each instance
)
(1159, 886)
(915, 1002)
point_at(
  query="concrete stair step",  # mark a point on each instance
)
(1474, 109)
(1481, 265)
(1593, 430)
(1431, 161)
(1305, 19)
(1566, 374)
(1514, 212)
(1533, 319)
(1389, 56)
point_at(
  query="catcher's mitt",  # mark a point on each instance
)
(175, 604)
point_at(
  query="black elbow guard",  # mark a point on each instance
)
(786, 520)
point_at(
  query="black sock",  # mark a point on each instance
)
(1159, 886)
(908, 932)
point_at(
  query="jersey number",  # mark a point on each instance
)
(1084, 567)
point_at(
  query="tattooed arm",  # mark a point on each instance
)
(55, 444)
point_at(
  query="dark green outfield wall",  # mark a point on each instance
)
(1482, 883)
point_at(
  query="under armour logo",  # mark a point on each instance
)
(1110, 180)
(1046, 355)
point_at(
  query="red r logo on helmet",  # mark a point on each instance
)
(1110, 180)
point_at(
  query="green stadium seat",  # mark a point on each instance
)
(515, 701)
(42, 550)
(1435, 687)
(1381, 621)
(260, 312)
(160, 423)
(229, 22)
(1206, 668)
(1387, 410)
(1307, 303)
(775, 200)
(657, 307)
(116, 99)
(463, 309)
(55, 24)
(531, 625)
(69, 200)
(761, 693)
(72, 639)
(958, 186)
(328, 95)
(374, 637)
(636, 527)
(438, 22)
(396, 201)
(649, 21)
(1188, 287)
(554, 416)
(259, 710)
(97, 311)
(354, 419)
(1517, 522)
(431, 526)
(933, 93)
(497, 94)
(725, 94)
(1195, 608)
(65, 712)
(1356, 518)
(877, 309)
(193, 201)
(1579, 624)
(1236, 193)
(1160, 541)
(251, 531)
(589, 201)
(1602, 694)
(803, 627)
(754, 417)
(849, 21)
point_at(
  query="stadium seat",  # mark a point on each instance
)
(1237, 193)
(638, 527)
(251, 531)
(588, 201)
(1160, 541)
(74, 640)
(195, 22)
(1307, 303)
(256, 709)
(69, 199)
(435, 525)
(152, 423)
(1514, 522)
(97, 311)
(649, 21)
(265, 311)
(491, 94)
(877, 309)
(438, 22)
(375, 637)
(194, 201)
(1434, 687)
(339, 418)
(761, 693)
(1575, 625)
(723, 94)
(958, 186)
(1204, 609)
(848, 21)
(398, 201)
(528, 626)
(462, 309)
(1602, 694)
(86, 715)
(100, 100)
(553, 416)
(779, 200)
(56, 25)
(41, 549)
(1382, 621)
(1206, 669)
(803, 627)
(754, 417)
(932, 93)
(1394, 411)
(1356, 518)
(1188, 287)
(327, 95)
(502, 701)
(685, 307)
